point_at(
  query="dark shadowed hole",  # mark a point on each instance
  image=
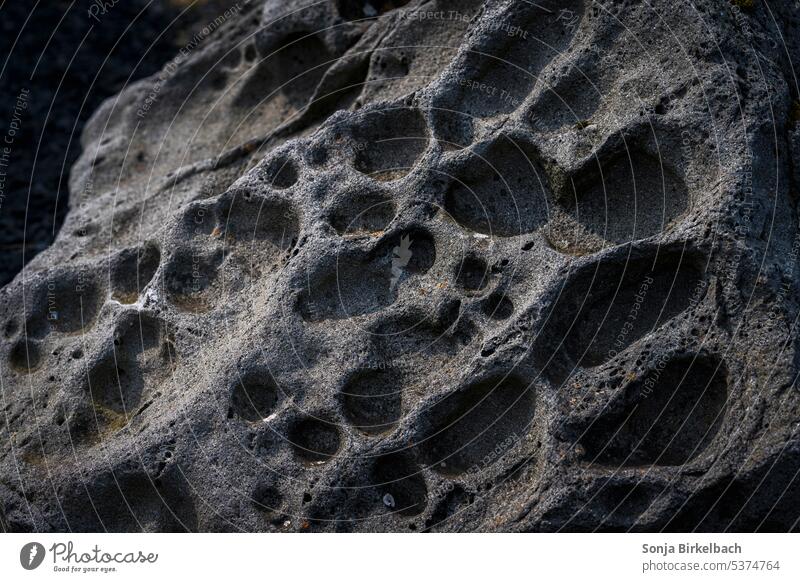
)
(189, 277)
(314, 441)
(453, 129)
(473, 274)
(372, 401)
(401, 485)
(498, 306)
(675, 413)
(253, 397)
(25, 356)
(267, 498)
(423, 252)
(70, 302)
(501, 193)
(476, 426)
(389, 143)
(132, 271)
(281, 173)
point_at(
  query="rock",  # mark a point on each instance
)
(327, 259)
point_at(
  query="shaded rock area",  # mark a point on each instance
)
(424, 266)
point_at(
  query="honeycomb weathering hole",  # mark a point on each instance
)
(272, 226)
(472, 274)
(454, 130)
(314, 441)
(131, 502)
(612, 304)
(510, 64)
(190, 277)
(422, 247)
(363, 212)
(402, 486)
(292, 71)
(115, 387)
(503, 193)
(498, 306)
(10, 328)
(676, 412)
(25, 356)
(411, 253)
(570, 104)
(118, 381)
(281, 173)
(632, 197)
(372, 401)
(388, 143)
(132, 271)
(267, 499)
(198, 219)
(466, 427)
(416, 335)
(253, 397)
(68, 303)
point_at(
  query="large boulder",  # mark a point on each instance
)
(475, 266)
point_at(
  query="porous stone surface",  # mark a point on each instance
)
(413, 266)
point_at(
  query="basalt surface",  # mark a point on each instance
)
(414, 266)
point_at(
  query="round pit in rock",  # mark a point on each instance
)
(314, 441)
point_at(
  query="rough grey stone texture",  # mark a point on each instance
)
(523, 267)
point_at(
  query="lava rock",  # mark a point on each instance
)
(400, 266)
